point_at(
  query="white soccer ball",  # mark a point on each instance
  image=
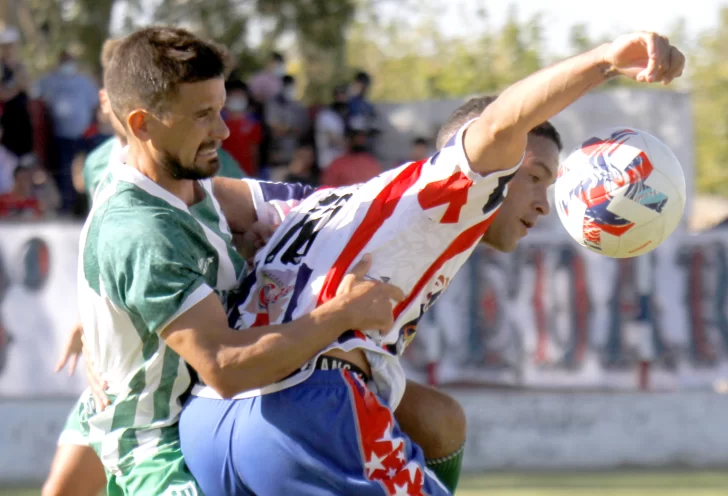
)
(621, 193)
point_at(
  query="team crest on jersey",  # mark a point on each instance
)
(273, 292)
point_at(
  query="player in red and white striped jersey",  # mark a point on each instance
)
(420, 222)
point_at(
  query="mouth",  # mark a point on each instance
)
(527, 224)
(207, 153)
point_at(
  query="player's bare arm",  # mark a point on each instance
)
(497, 139)
(232, 361)
(236, 202)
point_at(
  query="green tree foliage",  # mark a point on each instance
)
(418, 62)
(708, 77)
(51, 26)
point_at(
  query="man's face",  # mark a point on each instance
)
(186, 138)
(526, 200)
(24, 181)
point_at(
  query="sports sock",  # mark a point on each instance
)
(448, 468)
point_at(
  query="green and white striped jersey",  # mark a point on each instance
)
(145, 258)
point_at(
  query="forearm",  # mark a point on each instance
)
(497, 139)
(539, 97)
(260, 356)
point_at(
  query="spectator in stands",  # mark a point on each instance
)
(18, 135)
(8, 163)
(288, 122)
(302, 168)
(246, 133)
(330, 129)
(44, 188)
(267, 84)
(72, 99)
(20, 202)
(359, 105)
(420, 150)
(356, 166)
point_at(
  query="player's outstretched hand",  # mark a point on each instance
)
(369, 303)
(645, 57)
(72, 350)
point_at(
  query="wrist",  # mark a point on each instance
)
(333, 315)
(603, 61)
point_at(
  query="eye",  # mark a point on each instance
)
(534, 178)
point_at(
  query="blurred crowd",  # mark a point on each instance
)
(48, 126)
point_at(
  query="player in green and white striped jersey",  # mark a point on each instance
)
(76, 470)
(157, 261)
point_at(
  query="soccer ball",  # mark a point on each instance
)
(621, 193)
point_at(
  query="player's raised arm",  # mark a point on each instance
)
(497, 139)
(235, 361)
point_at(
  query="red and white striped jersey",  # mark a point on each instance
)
(420, 222)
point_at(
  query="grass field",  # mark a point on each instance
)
(630, 483)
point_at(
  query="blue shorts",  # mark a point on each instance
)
(329, 435)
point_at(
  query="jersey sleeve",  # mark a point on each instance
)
(449, 191)
(152, 272)
(273, 201)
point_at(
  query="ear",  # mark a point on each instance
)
(104, 101)
(138, 122)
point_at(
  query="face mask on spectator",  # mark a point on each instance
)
(356, 90)
(236, 104)
(290, 93)
(68, 67)
(280, 70)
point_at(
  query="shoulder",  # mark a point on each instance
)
(126, 232)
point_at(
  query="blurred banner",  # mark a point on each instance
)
(554, 315)
(38, 307)
(550, 315)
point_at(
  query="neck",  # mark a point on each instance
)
(142, 160)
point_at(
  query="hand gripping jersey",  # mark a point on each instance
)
(420, 222)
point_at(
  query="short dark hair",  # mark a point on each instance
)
(420, 141)
(108, 49)
(277, 57)
(236, 85)
(150, 64)
(473, 108)
(548, 131)
(363, 78)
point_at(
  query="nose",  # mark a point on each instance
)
(541, 205)
(220, 131)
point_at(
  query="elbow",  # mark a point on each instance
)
(226, 391)
(219, 375)
(223, 383)
(496, 126)
(233, 373)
